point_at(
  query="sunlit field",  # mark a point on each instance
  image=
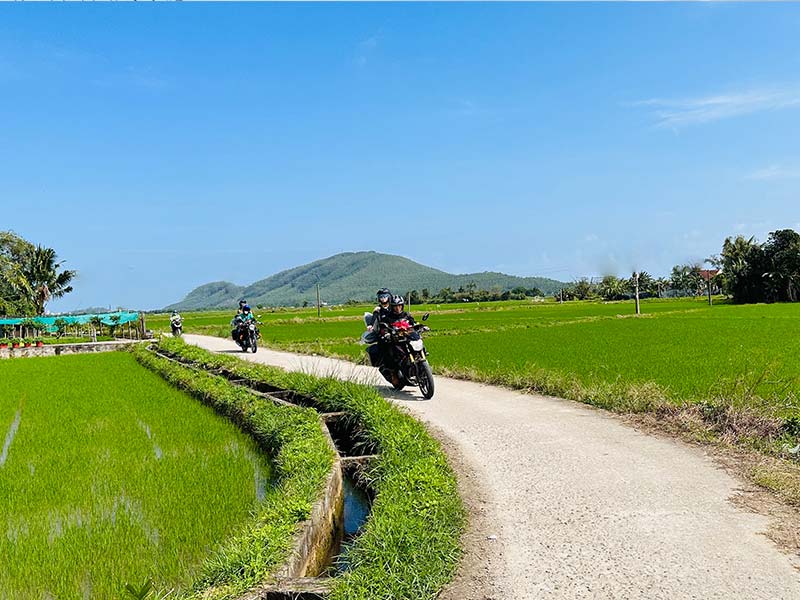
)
(689, 349)
(109, 475)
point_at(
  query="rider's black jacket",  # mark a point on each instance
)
(380, 313)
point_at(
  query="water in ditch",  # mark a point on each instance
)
(357, 506)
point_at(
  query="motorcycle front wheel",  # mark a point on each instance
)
(254, 345)
(425, 379)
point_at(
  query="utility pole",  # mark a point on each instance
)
(636, 288)
(561, 296)
(708, 287)
(318, 303)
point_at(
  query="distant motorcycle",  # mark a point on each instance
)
(247, 335)
(176, 322)
(405, 361)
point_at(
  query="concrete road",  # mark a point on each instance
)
(568, 502)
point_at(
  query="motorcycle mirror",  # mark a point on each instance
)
(425, 316)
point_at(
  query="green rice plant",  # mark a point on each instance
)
(302, 460)
(409, 547)
(108, 474)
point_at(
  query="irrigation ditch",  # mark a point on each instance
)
(320, 549)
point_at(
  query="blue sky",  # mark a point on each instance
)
(159, 147)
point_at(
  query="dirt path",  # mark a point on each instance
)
(568, 502)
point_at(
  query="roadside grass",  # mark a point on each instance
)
(409, 547)
(302, 460)
(110, 475)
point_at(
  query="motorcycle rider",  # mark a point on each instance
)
(384, 355)
(175, 321)
(243, 316)
(372, 319)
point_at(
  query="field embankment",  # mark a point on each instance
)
(409, 547)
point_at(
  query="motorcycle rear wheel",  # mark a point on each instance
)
(425, 379)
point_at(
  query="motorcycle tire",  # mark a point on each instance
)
(425, 379)
(254, 347)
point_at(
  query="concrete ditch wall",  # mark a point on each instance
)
(322, 531)
(59, 349)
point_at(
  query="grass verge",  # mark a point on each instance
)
(301, 462)
(409, 548)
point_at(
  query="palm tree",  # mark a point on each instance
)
(45, 279)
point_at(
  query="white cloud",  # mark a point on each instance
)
(365, 49)
(773, 172)
(677, 113)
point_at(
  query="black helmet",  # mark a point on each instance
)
(384, 293)
(242, 303)
(398, 301)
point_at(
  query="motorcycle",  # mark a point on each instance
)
(176, 323)
(406, 355)
(247, 336)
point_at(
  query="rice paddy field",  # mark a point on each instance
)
(109, 475)
(688, 349)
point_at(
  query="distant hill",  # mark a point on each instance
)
(348, 276)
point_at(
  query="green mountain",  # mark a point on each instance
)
(348, 276)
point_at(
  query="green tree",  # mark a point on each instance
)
(662, 285)
(613, 288)
(583, 289)
(61, 327)
(743, 263)
(782, 257)
(45, 277)
(15, 290)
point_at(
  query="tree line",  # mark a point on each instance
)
(471, 293)
(30, 276)
(745, 270)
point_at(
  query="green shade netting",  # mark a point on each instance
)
(115, 318)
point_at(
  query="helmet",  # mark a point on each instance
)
(398, 301)
(174, 312)
(246, 308)
(242, 303)
(384, 295)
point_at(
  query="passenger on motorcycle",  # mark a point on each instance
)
(381, 354)
(243, 316)
(372, 319)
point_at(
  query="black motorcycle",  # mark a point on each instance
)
(247, 336)
(401, 356)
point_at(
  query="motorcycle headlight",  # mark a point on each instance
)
(417, 345)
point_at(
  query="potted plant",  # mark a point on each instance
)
(28, 342)
(3, 344)
(38, 342)
(15, 342)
